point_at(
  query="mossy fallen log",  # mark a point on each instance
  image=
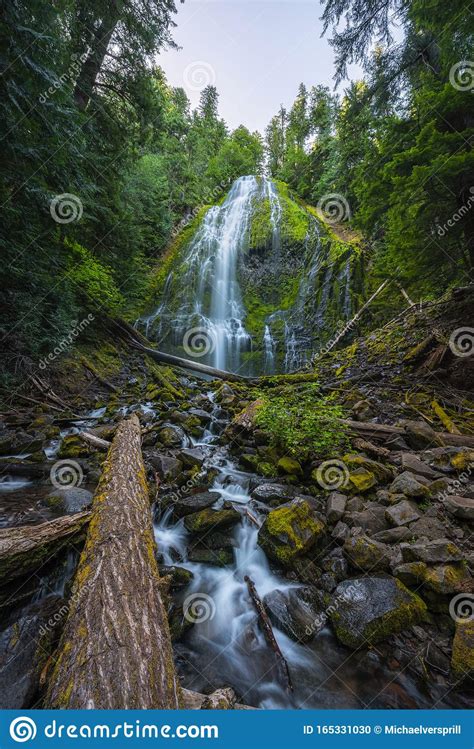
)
(368, 429)
(27, 548)
(115, 650)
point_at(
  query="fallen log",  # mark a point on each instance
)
(267, 630)
(27, 548)
(115, 650)
(94, 441)
(384, 431)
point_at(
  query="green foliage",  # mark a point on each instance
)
(301, 422)
(93, 281)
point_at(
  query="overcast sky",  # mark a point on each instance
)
(256, 52)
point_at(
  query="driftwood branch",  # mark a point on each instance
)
(94, 441)
(26, 549)
(267, 630)
(115, 650)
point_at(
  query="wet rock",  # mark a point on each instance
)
(416, 466)
(372, 520)
(172, 435)
(403, 513)
(367, 610)
(203, 416)
(69, 501)
(406, 483)
(393, 535)
(192, 457)
(183, 506)
(73, 447)
(441, 551)
(179, 576)
(291, 531)
(217, 557)
(336, 564)
(366, 554)
(306, 571)
(420, 436)
(274, 494)
(335, 507)
(207, 520)
(167, 467)
(298, 612)
(221, 699)
(460, 507)
(25, 646)
(462, 660)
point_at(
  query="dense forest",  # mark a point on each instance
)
(237, 434)
(102, 160)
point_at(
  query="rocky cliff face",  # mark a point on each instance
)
(260, 281)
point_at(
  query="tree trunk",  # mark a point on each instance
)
(95, 59)
(26, 549)
(384, 431)
(115, 651)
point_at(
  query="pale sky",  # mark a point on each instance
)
(256, 52)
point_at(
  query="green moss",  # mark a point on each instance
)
(462, 661)
(362, 480)
(290, 466)
(292, 529)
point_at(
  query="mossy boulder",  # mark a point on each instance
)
(367, 610)
(442, 579)
(365, 554)
(289, 466)
(73, 447)
(208, 520)
(382, 473)
(291, 531)
(408, 485)
(462, 660)
(360, 481)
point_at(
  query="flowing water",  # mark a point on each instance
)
(226, 647)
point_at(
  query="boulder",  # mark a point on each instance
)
(291, 531)
(208, 520)
(341, 532)
(372, 520)
(365, 554)
(171, 435)
(441, 551)
(69, 500)
(179, 577)
(382, 473)
(361, 481)
(428, 527)
(460, 507)
(416, 466)
(335, 507)
(192, 457)
(403, 513)
(442, 579)
(289, 466)
(420, 435)
(406, 483)
(167, 467)
(298, 612)
(183, 506)
(393, 535)
(367, 610)
(275, 494)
